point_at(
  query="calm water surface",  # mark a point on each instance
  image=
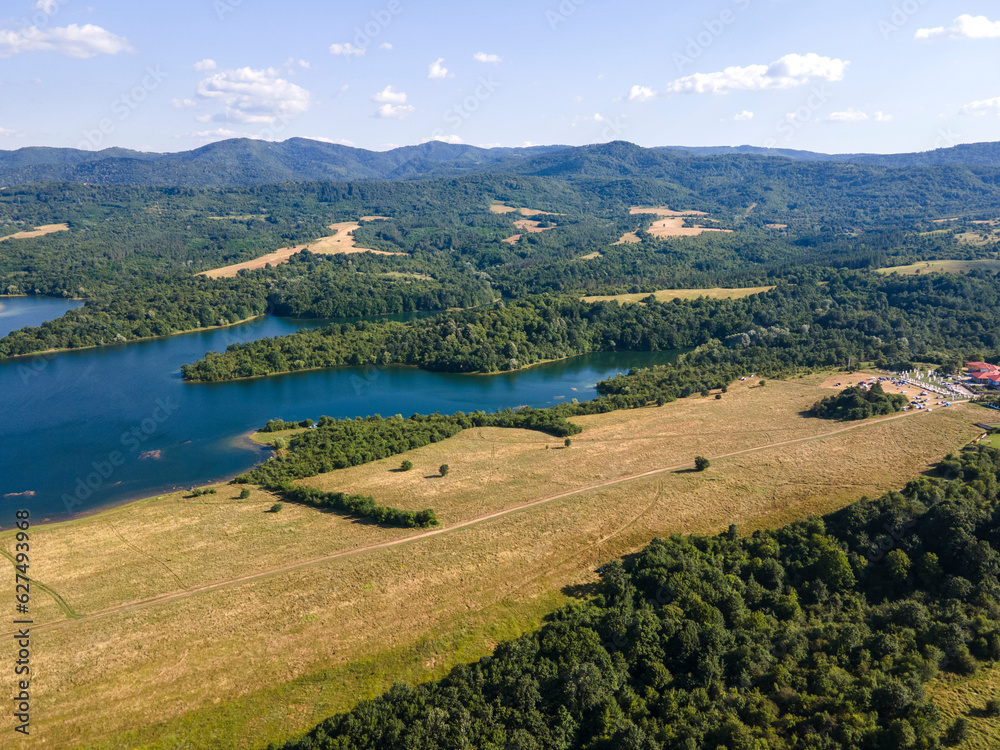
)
(101, 426)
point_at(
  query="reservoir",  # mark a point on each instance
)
(118, 423)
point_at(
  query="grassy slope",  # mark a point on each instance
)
(943, 266)
(241, 665)
(666, 295)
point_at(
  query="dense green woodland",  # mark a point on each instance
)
(796, 326)
(133, 252)
(819, 635)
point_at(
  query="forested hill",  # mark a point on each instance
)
(243, 162)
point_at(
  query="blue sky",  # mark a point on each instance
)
(857, 75)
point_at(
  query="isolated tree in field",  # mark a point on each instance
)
(444, 470)
(276, 508)
(245, 494)
(701, 463)
(568, 443)
(406, 466)
(718, 396)
(763, 383)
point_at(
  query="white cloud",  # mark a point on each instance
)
(437, 70)
(219, 133)
(393, 103)
(183, 103)
(73, 41)
(304, 64)
(4, 132)
(455, 140)
(486, 58)
(385, 45)
(389, 95)
(743, 116)
(324, 139)
(347, 50)
(883, 117)
(254, 96)
(785, 73)
(982, 107)
(848, 115)
(394, 111)
(963, 27)
(206, 64)
(641, 94)
(47, 6)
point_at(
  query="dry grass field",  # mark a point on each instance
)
(672, 225)
(341, 242)
(210, 622)
(665, 295)
(943, 266)
(500, 208)
(966, 696)
(37, 232)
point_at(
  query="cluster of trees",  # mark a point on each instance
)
(356, 506)
(279, 425)
(341, 443)
(809, 636)
(859, 403)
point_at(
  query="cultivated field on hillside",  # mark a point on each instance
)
(671, 225)
(214, 620)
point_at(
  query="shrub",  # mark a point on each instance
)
(701, 463)
(444, 470)
(992, 707)
(245, 494)
(276, 508)
(406, 466)
(568, 442)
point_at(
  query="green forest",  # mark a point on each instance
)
(822, 634)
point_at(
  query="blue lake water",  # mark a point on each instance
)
(21, 312)
(88, 429)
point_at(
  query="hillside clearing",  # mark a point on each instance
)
(37, 232)
(943, 266)
(324, 598)
(341, 242)
(666, 295)
(672, 225)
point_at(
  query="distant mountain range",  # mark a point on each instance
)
(242, 162)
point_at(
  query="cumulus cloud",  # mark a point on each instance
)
(347, 50)
(393, 103)
(73, 41)
(483, 57)
(848, 115)
(982, 107)
(183, 103)
(641, 94)
(743, 116)
(214, 135)
(785, 73)
(254, 96)
(305, 64)
(882, 117)
(47, 6)
(206, 64)
(385, 45)
(455, 140)
(5, 133)
(437, 70)
(963, 27)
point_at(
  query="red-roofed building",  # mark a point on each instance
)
(980, 367)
